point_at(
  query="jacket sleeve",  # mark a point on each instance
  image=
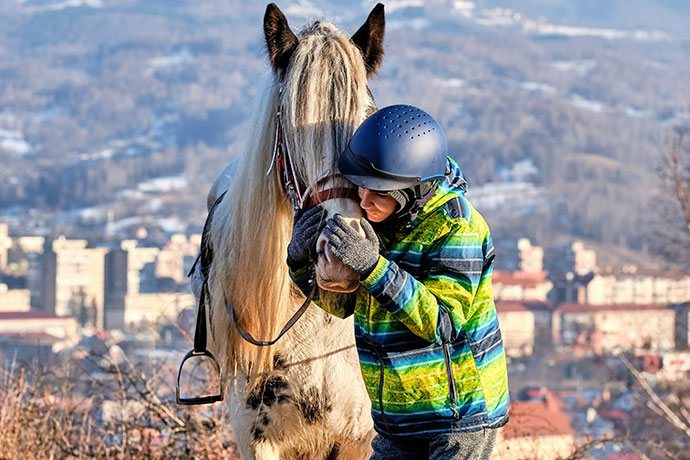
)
(340, 305)
(457, 284)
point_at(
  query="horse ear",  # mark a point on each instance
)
(369, 39)
(280, 39)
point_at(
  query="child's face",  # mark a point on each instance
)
(378, 206)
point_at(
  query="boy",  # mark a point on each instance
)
(426, 327)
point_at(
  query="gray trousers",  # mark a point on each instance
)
(476, 445)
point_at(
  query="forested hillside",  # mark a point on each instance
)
(557, 111)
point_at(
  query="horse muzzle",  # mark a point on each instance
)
(331, 274)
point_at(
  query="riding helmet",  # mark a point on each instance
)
(397, 147)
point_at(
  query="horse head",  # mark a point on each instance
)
(323, 96)
(311, 102)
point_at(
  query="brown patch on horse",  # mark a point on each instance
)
(369, 39)
(281, 41)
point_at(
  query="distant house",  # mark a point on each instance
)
(608, 328)
(74, 280)
(133, 291)
(14, 299)
(525, 326)
(536, 429)
(530, 282)
(634, 286)
(521, 286)
(26, 335)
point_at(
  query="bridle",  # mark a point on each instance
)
(302, 199)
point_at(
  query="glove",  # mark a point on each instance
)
(344, 242)
(305, 231)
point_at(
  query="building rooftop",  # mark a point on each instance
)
(537, 419)
(589, 308)
(29, 338)
(15, 315)
(526, 306)
(520, 278)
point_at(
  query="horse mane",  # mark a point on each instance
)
(323, 97)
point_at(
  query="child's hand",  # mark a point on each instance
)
(305, 231)
(359, 254)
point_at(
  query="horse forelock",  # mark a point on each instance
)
(324, 98)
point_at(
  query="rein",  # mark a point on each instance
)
(302, 198)
(301, 201)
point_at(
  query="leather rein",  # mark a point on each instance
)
(302, 199)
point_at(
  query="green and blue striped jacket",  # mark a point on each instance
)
(426, 327)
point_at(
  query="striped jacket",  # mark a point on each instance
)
(426, 327)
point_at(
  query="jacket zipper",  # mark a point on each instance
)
(451, 380)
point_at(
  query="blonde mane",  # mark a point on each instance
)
(324, 97)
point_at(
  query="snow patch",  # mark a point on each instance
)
(464, 8)
(59, 6)
(392, 6)
(451, 82)
(537, 86)
(520, 172)
(163, 184)
(177, 59)
(579, 66)
(414, 24)
(14, 142)
(519, 197)
(543, 28)
(304, 9)
(587, 104)
(634, 112)
(505, 17)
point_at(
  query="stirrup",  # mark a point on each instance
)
(195, 401)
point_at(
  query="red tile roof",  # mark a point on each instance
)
(32, 314)
(589, 308)
(527, 306)
(519, 278)
(31, 338)
(535, 419)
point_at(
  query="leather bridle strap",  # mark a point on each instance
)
(319, 197)
(291, 322)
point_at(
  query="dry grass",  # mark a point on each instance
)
(60, 412)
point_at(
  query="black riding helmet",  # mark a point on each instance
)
(395, 148)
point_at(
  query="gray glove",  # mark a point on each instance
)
(359, 254)
(305, 231)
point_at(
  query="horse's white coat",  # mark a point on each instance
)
(303, 397)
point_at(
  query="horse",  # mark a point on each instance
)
(304, 396)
